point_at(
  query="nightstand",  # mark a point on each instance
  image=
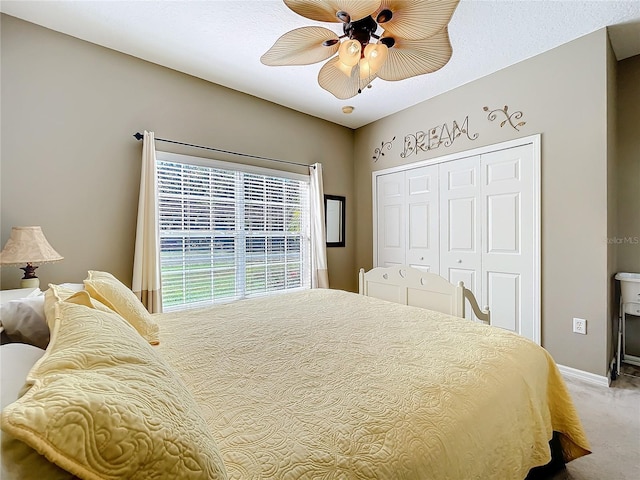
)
(629, 305)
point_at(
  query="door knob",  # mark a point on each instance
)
(459, 261)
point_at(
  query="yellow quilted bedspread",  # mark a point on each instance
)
(326, 384)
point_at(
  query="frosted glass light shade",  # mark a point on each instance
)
(349, 52)
(375, 54)
(346, 69)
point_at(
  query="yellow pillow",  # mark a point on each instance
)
(102, 404)
(17, 460)
(118, 297)
(57, 293)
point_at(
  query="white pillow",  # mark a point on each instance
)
(16, 359)
(23, 321)
(19, 461)
(18, 293)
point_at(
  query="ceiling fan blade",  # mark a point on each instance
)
(409, 58)
(325, 10)
(334, 81)
(302, 46)
(417, 19)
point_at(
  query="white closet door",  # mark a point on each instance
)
(509, 239)
(474, 219)
(460, 228)
(421, 187)
(391, 245)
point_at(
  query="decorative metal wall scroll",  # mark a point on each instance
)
(508, 118)
(377, 153)
(446, 134)
(436, 136)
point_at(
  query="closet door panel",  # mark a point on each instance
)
(504, 297)
(462, 223)
(390, 217)
(422, 218)
(503, 223)
(468, 277)
(460, 235)
(508, 238)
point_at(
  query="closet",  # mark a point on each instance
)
(471, 217)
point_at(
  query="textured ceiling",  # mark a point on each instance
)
(222, 41)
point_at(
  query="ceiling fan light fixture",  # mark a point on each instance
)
(350, 52)
(366, 70)
(414, 41)
(375, 54)
(346, 69)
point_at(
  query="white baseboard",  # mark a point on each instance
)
(589, 377)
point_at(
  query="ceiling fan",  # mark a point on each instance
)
(414, 40)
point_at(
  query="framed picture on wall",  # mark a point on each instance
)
(334, 212)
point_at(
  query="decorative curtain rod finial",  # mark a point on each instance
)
(138, 136)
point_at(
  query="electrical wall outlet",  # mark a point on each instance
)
(580, 326)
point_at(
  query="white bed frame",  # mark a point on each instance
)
(410, 286)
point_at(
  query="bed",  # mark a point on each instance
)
(310, 384)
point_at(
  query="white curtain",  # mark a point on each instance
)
(146, 260)
(319, 273)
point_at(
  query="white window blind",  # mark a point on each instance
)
(229, 234)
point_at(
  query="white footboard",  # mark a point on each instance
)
(410, 286)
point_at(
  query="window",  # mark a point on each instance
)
(228, 233)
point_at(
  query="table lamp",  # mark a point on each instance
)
(28, 245)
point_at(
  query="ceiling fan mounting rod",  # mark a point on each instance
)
(361, 30)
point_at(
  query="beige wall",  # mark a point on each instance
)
(71, 165)
(612, 200)
(563, 96)
(628, 182)
(627, 238)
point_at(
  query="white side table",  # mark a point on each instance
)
(629, 305)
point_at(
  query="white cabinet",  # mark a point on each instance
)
(470, 218)
(629, 305)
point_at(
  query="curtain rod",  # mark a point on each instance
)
(139, 136)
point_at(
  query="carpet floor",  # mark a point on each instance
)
(611, 419)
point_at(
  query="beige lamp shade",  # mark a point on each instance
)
(28, 245)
